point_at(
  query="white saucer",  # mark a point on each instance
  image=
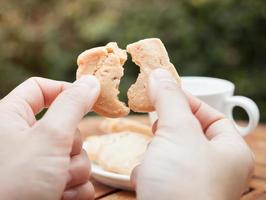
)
(111, 179)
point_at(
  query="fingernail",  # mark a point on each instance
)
(90, 81)
(70, 195)
(161, 75)
(158, 76)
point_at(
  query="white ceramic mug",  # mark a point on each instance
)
(218, 93)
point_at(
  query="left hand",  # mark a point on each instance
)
(44, 159)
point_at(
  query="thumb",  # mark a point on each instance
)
(171, 104)
(69, 107)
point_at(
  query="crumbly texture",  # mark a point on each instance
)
(92, 146)
(106, 63)
(117, 152)
(122, 124)
(148, 54)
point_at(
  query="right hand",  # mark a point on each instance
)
(196, 153)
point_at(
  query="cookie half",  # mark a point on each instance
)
(106, 63)
(148, 54)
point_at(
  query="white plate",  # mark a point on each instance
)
(111, 179)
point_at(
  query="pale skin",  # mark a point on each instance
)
(196, 151)
(43, 159)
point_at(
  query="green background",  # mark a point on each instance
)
(225, 39)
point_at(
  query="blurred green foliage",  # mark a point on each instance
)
(225, 39)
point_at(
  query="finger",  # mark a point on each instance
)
(212, 121)
(79, 170)
(206, 114)
(77, 143)
(222, 129)
(30, 97)
(154, 126)
(82, 192)
(70, 106)
(171, 104)
(133, 177)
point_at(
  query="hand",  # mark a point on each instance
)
(43, 159)
(196, 152)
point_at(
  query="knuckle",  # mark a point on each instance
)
(33, 79)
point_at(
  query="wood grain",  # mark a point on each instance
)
(122, 195)
(101, 189)
(258, 183)
(260, 171)
(255, 195)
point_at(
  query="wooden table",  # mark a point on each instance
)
(256, 140)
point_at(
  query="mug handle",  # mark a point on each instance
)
(249, 106)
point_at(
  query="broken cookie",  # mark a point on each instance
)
(148, 54)
(106, 63)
